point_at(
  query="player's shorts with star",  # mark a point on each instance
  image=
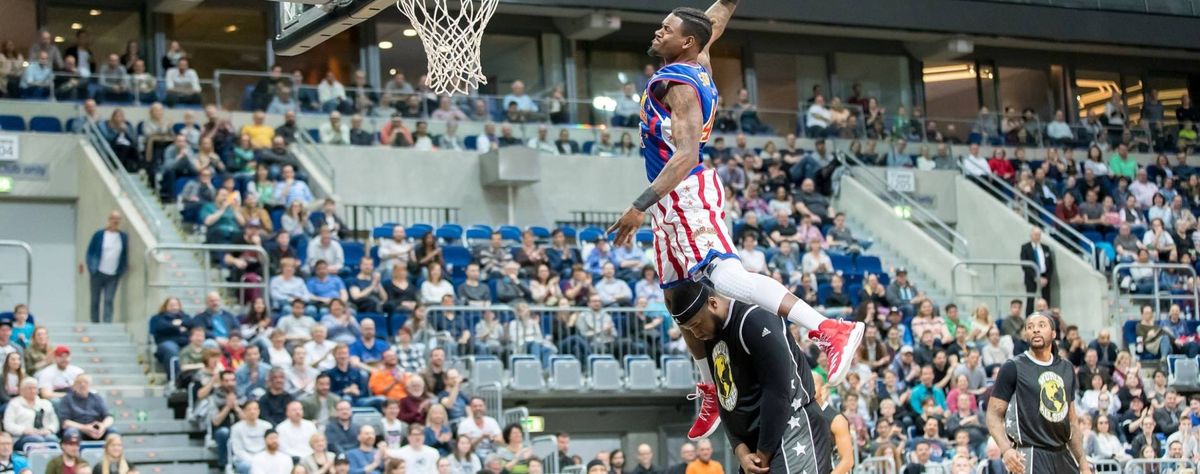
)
(689, 228)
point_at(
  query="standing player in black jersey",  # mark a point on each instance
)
(1040, 435)
(764, 382)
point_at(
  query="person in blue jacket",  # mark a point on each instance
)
(107, 259)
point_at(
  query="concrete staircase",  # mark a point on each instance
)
(891, 260)
(154, 440)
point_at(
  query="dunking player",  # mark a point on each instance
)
(764, 382)
(685, 200)
(1042, 435)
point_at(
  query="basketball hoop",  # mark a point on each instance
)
(451, 40)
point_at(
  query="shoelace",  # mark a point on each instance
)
(700, 395)
(823, 343)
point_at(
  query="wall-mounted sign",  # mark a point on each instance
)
(10, 147)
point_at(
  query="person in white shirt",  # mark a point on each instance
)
(21, 416)
(107, 256)
(296, 326)
(330, 93)
(247, 438)
(816, 260)
(752, 258)
(183, 85)
(816, 120)
(295, 432)
(418, 458)
(271, 460)
(319, 350)
(54, 380)
(395, 251)
(482, 430)
(975, 165)
(334, 132)
(542, 143)
(1058, 131)
(613, 292)
(287, 287)
(487, 141)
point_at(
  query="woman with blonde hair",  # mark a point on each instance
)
(37, 355)
(982, 319)
(113, 460)
(321, 460)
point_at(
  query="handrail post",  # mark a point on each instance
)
(28, 281)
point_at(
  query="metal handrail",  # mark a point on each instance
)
(127, 182)
(1050, 223)
(926, 215)
(28, 281)
(1131, 466)
(307, 145)
(1156, 295)
(865, 466)
(206, 262)
(996, 293)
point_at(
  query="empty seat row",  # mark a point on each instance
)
(566, 373)
(16, 123)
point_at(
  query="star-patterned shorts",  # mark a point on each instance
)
(807, 446)
(689, 228)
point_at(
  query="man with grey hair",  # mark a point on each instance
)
(687, 454)
(273, 404)
(83, 410)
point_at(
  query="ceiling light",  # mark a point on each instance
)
(409, 32)
(94, 13)
(231, 28)
(385, 45)
(392, 72)
(58, 39)
(76, 26)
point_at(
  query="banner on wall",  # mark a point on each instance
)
(10, 147)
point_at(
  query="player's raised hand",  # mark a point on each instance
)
(627, 225)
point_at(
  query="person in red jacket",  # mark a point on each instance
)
(1000, 165)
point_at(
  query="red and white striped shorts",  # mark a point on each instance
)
(689, 228)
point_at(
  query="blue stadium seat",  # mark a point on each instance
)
(823, 291)
(353, 252)
(510, 233)
(277, 218)
(45, 124)
(449, 233)
(486, 227)
(868, 264)
(644, 236)
(418, 231)
(590, 234)
(381, 322)
(470, 141)
(382, 232)
(1093, 236)
(71, 124)
(568, 232)
(587, 147)
(13, 123)
(479, 234)
(456, 256)
(843, 263)
(540, 232)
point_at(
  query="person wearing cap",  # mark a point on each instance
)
(764, 384)
(69, 460)
(1045, 433)
(271, 460)
(56, 379)
(85, 411)
(21, 418)
(902, 294)
(596, 466)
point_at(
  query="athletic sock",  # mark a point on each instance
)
(805, 315)
(705, 373)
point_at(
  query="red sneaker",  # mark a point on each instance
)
(709, 418)
(839, 339)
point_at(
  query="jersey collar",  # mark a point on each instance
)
(1029, 354)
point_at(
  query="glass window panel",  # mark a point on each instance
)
(1093, 89)
(881, 76)
(1022, 88)
(220, 38)
(951, 96)
(784, 80)
(109, 31)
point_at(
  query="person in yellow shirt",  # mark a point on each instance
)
(704, 463)
(260, 134)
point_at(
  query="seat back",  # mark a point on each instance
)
(606, 372)
(526, 374)
(565, 373)
(45, 124)
(12, 123)
(640, 374)
(677, 373)
(368, 417)
(487, 371)
(1187, 372)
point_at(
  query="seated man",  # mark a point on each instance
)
(69, 460)
(85, 411)
(367, 352)
(10, 461)
(325, 285)
(247, 438)
(56, 379)
(349, 382)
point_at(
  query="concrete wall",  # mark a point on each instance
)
(387, 176)
(934, 190)
(99, 194)
(49, 228)
(903, 236)
(996, 232)
(45, 169)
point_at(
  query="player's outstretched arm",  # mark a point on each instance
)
(686, 124)
(720, 12)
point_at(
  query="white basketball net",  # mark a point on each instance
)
(451, 40)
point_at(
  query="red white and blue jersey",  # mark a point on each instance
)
(657, 145)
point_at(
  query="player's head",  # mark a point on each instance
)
(1041, 330)
(683, 34)
(696, 308)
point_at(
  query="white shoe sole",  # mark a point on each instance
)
(838, 374)
(712, 429)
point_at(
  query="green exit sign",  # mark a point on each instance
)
(534, 424)
(6, 184)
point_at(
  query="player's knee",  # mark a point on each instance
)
(731, 279)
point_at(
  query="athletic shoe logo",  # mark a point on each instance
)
(726, 389)
(766, 332)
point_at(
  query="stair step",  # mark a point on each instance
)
(187, 453)
(126, 391)
(109, 369)
(156, 426)
(144, 402)
(71, 339)
(70, 328)
(128, 358)
(181, 468)
(125, 379)
(125, 414)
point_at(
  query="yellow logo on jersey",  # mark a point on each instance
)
(642, 107)
(704, 79)
(723, 373)
(1052, 401)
